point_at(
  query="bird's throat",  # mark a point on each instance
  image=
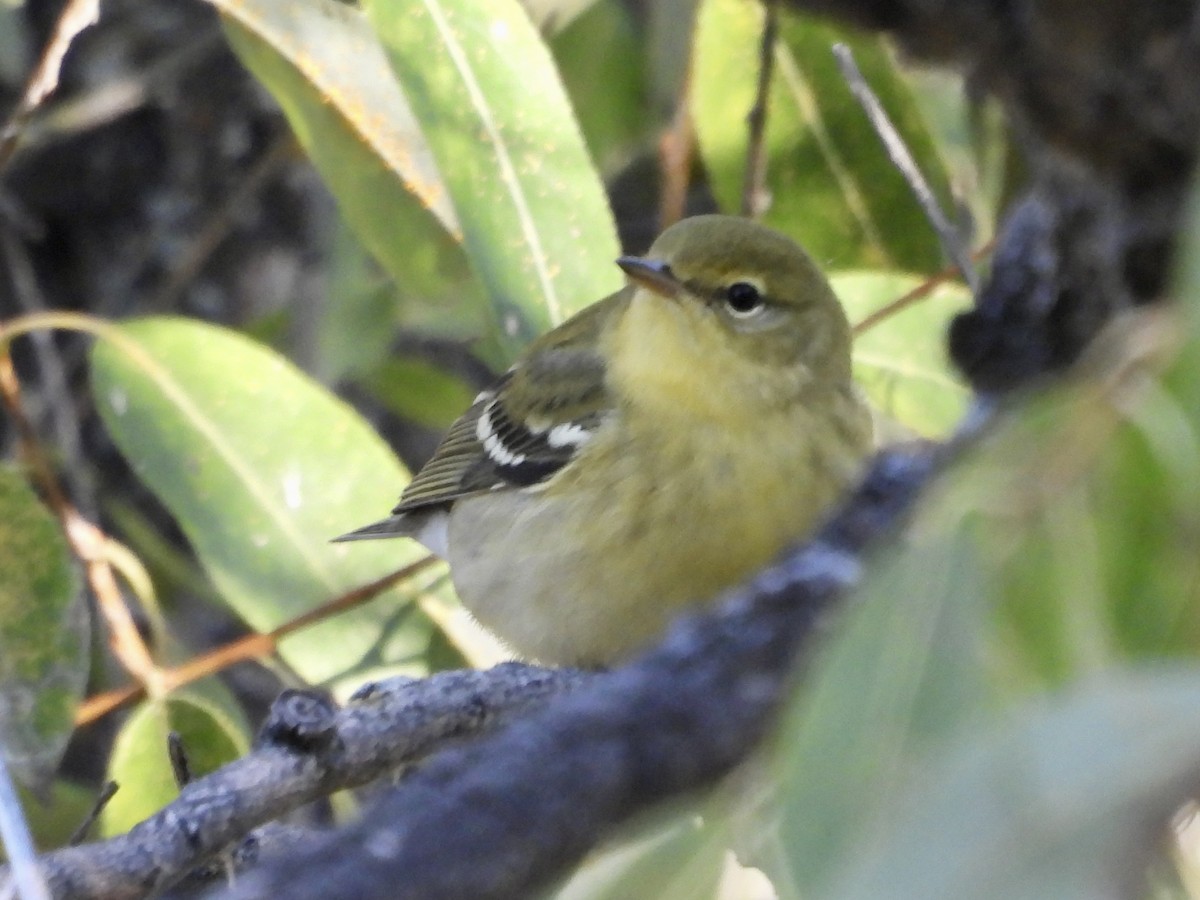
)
(672, 357)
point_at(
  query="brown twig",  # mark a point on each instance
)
(244, 649)
(920, 292)
(76, 16)
(675, 149)
(86, 540)
(90, 545)
(100, 705)
(755, 197)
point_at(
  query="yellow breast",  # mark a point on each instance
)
(709, 465)
(659, 512)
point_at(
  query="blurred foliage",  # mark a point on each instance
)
(993, 719)
(43, 634)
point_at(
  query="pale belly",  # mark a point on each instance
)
(590, 568)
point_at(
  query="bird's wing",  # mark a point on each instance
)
(528, 426)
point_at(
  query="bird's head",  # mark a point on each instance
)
(727, 295)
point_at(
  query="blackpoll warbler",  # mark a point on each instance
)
(652, 450)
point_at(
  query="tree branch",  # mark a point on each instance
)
(307, 749)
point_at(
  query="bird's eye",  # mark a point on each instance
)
(743, 298)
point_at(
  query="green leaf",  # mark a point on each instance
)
(535, 221)
(262, 467)
(901, 363)
(1090, 494)
(364, 309)
(671, 857)
(327, 70)
(831, 184)
(1144, 520)
(212, 732)
(420, 391)
(1063, 800)
(602, 62)
(323, 64)
(552, 16)
(43, 635)
(903, 674)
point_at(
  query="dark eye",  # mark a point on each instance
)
(743, 298)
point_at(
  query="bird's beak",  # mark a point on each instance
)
(652, 274)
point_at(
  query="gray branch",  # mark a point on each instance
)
(308, 749)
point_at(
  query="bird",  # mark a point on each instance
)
(651, 451)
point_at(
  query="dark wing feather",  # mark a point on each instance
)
(449, 472)
(530, 425)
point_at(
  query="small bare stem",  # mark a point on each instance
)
(246, 648)
(920, 292)
(79, 835)
(675, 149)
(754, 186)
(903, 160)
(75, 16)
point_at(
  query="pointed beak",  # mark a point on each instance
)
(651, 274)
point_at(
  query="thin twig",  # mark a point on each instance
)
(79, 835)
(675, 149)
(903, 160)
(124, 637)
(76, 16)
(244, 649)
(920, 292)
(755, 197)
(87, 541)
(100, 705)
(56, 393)
(181, 768)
